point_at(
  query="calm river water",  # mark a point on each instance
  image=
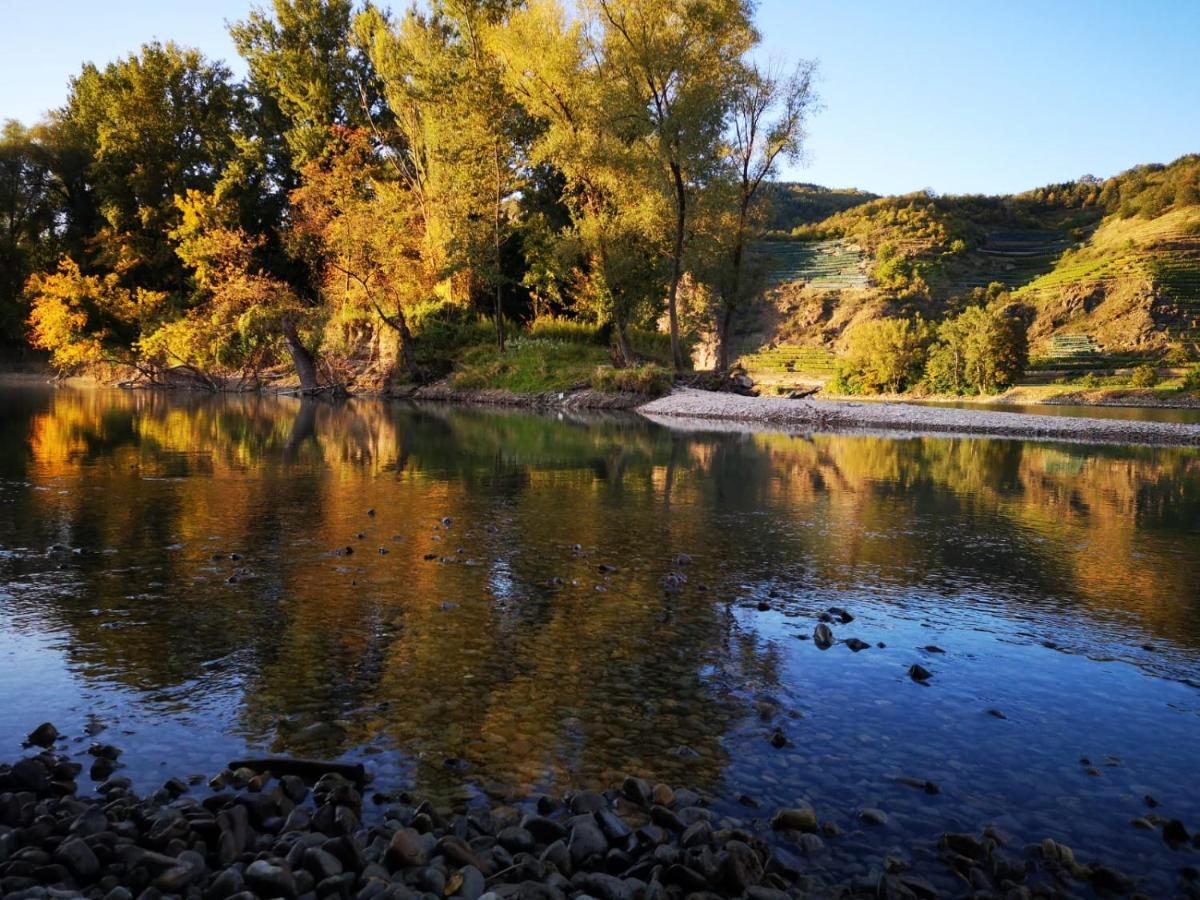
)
(176, 575)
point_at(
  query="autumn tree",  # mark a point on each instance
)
(365, 231)
(84, 320)
(457, 135)
(245, 315)
(673, 65)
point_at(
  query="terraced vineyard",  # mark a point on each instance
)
(1179, 276)
(825, 265)
(1012, 257)
(783, 361)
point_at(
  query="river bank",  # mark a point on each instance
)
(687, 405)
(301, 828)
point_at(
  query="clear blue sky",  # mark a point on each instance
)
(956, 95)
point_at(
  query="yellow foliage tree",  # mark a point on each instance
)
(86, 319)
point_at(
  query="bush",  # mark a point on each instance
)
(1191, 379)
(1144, 376)
(441, 330)
(656, 345)
(650, 379)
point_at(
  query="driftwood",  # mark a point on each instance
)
(308, 769)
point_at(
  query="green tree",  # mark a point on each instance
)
(28, 211)
(458, 137)
(982, 350)
(307, 74)
(154, 125)
(768, 114)
(672, 66)
(883, 355)
(610, 177)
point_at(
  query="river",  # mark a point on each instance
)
(478, 604)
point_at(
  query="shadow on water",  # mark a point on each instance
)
(480, 601)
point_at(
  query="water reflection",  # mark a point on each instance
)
(430, 588)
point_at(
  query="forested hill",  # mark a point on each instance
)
(1113, 262)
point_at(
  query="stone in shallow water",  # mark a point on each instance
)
(795, 819)
(918, 672)
(872, 816)
(43, 736)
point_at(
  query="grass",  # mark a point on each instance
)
(540, 366)
(528, 366)
(650, 379)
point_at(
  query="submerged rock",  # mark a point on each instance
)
(823, 636)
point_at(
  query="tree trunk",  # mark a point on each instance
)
(499, 319)
(677, 267)
(624, 350)
(733, 298)
(408, 358)
(302, 360)
(724, 324)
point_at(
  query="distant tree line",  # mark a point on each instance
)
(605, 160)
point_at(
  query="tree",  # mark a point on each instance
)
(87, 319)
(673, 65)
(27, 220)
(458, 136)
(610, 187)
(768, 113)
(306, 74)
(365, 229)
(154, 125)
(883, 355)
(982, 350)
(245, 313)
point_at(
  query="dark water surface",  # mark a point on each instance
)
(173, 569)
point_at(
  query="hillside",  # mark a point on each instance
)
(1108, 269)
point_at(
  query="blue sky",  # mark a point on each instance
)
(956, 95)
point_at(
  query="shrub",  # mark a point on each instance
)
(442, 329)
(527, 366)
(1191, 379)
(650, 379)
(1144, 376)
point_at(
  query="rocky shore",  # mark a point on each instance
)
(693, 408)
(301, 829)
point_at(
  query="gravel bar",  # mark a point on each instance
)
(823, 415)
